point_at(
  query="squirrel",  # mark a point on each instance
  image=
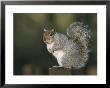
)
(71, 50)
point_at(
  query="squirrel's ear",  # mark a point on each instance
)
(53, 30)
(45, 30)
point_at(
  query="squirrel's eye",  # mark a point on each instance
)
(51, 34)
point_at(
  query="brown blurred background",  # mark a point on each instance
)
(30, 54)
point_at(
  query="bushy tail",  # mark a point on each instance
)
(80, 33)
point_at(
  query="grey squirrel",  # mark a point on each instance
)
(70, 50)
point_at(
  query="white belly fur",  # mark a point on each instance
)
(58, 54)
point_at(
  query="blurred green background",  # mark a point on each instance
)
(30, 54)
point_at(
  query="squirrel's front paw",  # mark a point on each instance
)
(50, 50)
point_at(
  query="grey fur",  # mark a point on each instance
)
(74, 45)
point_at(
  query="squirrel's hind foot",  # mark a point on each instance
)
(57, 66)
(61, 67)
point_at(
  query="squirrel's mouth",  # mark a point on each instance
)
(49, 42)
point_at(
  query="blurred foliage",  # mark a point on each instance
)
(30, 53)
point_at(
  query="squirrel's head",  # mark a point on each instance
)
(48, 36)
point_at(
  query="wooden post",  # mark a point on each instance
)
(60, 71)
